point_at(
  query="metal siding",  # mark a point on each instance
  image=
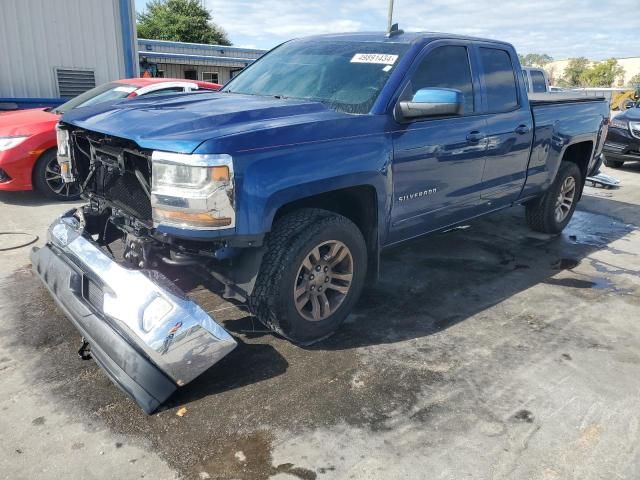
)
(173, 58)
(146, 45)
(39, 35)
(172, 70)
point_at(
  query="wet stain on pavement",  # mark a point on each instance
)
(524, 416)
(565, 264)
(38, 421)
(250, 457)
(571, 282)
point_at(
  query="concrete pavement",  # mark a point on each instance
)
(485, 353)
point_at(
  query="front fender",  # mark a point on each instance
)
(274, 178)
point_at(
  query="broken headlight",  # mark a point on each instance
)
(64, 154)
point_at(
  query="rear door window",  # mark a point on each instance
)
(446, 67)
(539, 83)
(499, 80)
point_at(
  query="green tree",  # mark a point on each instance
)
(635, 80)
(574, 71)
(602, 74)
(535, 59)
(180, 21)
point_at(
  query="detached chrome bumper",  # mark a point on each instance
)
(146, 334)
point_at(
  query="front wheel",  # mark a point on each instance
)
(311, 275)
(552, 211)
(613, 163)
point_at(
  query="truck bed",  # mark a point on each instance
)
(552, 98)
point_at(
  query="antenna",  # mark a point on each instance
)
(390, 17)
(392, 28)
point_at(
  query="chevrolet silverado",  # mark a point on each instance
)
(287, 184)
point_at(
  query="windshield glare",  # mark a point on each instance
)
(103, 93)
(346, 76)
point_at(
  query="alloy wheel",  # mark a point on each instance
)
(324, 280)
(565, 199)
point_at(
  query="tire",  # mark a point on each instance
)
(613, 163)
(288, 267)
(47, 179)
(542, 214)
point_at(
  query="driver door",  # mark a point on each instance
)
(438, 162)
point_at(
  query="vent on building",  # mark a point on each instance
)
(72, 83)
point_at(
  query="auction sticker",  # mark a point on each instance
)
(380, 58)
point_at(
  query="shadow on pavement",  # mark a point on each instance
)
(29, 199)
(249, 363)
(430, 284)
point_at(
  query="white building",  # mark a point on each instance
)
(631, 67)
(54, 49)
(61, 48)
(211, 63)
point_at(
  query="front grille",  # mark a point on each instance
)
(126, 192)
(118, 164)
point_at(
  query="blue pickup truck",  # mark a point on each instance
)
(288, 184)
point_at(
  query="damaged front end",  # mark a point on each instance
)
(144, 332)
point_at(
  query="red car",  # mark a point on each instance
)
(28, 137)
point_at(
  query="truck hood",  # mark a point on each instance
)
(179, 123)
(26, 122)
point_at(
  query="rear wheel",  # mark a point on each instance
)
(48, 179)
(552, 211)
(311, 275)
(613, 163)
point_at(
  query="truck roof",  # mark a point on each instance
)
(405, 37)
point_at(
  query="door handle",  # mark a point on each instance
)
(475, 137)
(522, 129)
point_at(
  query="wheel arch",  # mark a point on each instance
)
(359, 203)
(581, 154)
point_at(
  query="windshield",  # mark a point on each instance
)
(346, 76)
(103, 93)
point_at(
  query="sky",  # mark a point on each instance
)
(595, 29)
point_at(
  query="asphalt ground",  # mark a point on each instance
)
(488, 352)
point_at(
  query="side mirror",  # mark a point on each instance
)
(433, 102)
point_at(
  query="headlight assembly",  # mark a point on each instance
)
(192, 191)
(64, 154)
(619, 123)
(9, 142)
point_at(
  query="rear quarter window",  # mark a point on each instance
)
(539, 83)
(526, 79)
(499, 80)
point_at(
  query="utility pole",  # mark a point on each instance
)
(390, 19)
